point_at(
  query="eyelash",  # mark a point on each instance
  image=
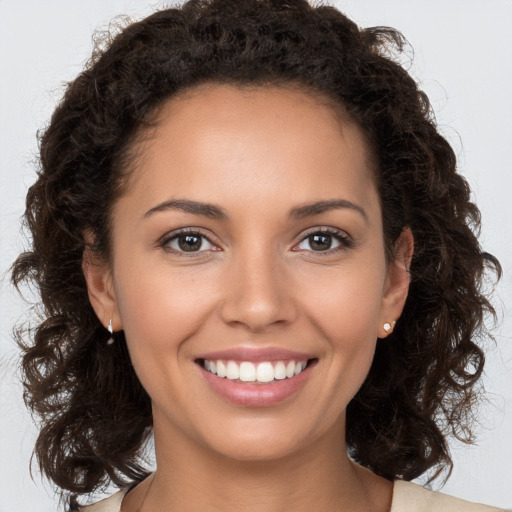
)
(345, 242)
(167, 239)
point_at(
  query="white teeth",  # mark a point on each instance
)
(299, 367)
(221, 369)
(280, 371)
(246, 371)
(265, 372)
(232, 371)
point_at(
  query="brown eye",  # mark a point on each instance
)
(320, 242)
(323, 241)
(189, 242)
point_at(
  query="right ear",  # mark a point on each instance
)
(100, 288)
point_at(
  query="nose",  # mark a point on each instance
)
(259, 293)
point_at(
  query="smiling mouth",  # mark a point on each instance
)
(264, 372)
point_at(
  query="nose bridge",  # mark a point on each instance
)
(258, 294)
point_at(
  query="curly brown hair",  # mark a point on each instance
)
(95, 415)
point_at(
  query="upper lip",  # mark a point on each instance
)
(256, 355)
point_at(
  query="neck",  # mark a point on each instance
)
(320, 477)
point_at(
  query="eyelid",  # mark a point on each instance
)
(341, 236)
(164, 241)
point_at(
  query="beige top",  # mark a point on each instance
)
(407, 497)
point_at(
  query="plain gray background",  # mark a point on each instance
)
(463, 61)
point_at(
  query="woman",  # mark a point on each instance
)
(252, 243)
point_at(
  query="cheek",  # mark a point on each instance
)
(346, 302)
(350, 326)
(161, 310)
(346, 310)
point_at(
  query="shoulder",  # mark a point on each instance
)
(111, 504)
(410, 497)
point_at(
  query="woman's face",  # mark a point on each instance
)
(250, 237)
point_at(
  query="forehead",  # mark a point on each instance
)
(273, 138)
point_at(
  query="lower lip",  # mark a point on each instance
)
(256, 395)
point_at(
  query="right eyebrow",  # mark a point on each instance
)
(186, 205)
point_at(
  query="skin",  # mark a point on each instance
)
(258, 154)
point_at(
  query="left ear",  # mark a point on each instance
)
(397, 283)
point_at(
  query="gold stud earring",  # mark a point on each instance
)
(110, 329)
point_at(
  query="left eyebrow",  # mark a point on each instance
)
(324, 206)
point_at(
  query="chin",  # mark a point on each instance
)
(257, 451)
(260, 442)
